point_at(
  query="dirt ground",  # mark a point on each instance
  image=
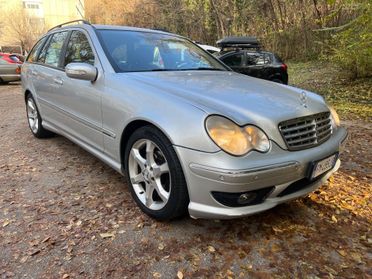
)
(65, 214)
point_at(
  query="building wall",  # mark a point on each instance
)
(56, 12)
(40, 16)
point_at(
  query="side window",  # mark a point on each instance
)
(234, 60)
(54, 49)
(78, 49)
(35, 50)
(41, 56)
(257, 59)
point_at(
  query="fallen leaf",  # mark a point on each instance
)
(45, 239)
(6, 223)
(107, 235)
(34, 252)
(211, 249)
(356, 257)
(156, 274)
(161, 246)
(342, 252)
(65, 276)
(179, 275)
(334, 219)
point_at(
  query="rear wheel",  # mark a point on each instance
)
(34, 119)
(3, 82)
(154, 174)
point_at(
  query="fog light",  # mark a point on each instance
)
(246, 198)
(242, 198)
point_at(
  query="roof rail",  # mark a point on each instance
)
(69, 22)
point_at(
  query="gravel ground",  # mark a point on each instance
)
(65, 214)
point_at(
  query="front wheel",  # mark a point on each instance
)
(154, 174)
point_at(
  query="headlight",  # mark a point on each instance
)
(335, 118)
(234, 139)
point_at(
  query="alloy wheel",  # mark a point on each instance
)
(32, 116)
(149, 174)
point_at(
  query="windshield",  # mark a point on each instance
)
(132, 51)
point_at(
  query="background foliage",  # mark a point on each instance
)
(339, 30)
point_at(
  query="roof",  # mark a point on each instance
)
(68, 25)
(239, 42)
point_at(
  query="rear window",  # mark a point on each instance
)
(14, 58)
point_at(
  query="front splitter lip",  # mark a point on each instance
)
(244, 175)
(197, 210)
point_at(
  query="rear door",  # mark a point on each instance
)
(45, 72)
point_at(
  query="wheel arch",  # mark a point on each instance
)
(128, 131)
(26, 93)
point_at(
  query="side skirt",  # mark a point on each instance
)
(103, 157)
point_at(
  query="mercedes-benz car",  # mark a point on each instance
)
(190, 135)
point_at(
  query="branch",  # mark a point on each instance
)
(337, 28)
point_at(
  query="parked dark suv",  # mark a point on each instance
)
(244, 55)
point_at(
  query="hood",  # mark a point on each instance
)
(243, 99)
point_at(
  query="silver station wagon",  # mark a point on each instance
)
(190, 135)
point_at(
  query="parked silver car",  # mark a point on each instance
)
(10, 68)
(188, 133)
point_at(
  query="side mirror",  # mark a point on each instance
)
(82, 71)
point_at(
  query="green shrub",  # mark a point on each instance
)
(352, 47)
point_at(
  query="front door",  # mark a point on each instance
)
(80, 100)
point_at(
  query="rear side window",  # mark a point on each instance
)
(258, 59)
(52, 54)
(234, 60)
(79, 49)
(35, 50)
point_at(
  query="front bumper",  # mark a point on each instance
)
(219, 172)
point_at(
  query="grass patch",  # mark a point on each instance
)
(351, 98)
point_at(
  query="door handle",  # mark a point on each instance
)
(58, 81)
(34, 73)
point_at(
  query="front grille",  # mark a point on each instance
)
(305, 132)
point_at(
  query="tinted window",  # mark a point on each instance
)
(234, 60)
(14, 58)
(130, 51)
(78, 49)
(35, 50)
(54, 49)
(258, 59)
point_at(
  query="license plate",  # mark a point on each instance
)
(324, 165)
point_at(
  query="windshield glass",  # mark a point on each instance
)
(131, 51)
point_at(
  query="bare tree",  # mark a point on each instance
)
(21, 29)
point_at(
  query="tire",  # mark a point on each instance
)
(34, 119)
(3, 82)
(154, 175)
